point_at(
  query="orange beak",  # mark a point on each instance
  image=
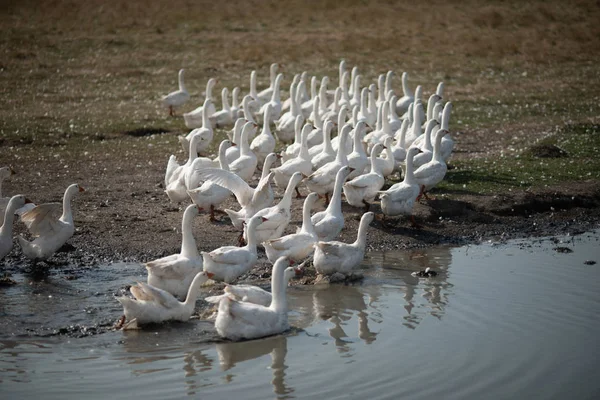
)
(81, 189)
(264, 219)
(27, 201)
(210, 274)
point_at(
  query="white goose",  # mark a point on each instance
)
(51, 223)
(176, 98)
(361, 191)
(327, 154)
(205, 132)
(322, 181)
(400, 198)
(241, 320)
(229, 262)
(299, 245)
(236, 111)
(266, 94)
(315, 137)
(300, 164)
(358, 159)
(154, 305)
(245, 165)
(430, 174)
(415, 130)
(285, 126)
(253, 294)
(329, 223)
(264, 143)
(426, 147)
(251, 200)
(399, 148)
(386, 163)
(210, 195)
(279, 215)
(222, 118)
(195, 118)
(293, 149)
(175, 273)
(191, 178)
(6, 240)
(233, 152)
(332, 257)
(175, 177)
(275, 103)
(5, 172)
(394, 121)
(407, 99)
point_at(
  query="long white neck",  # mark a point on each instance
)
(266, 130)
(335, 204)
(402, 139)
(286, 200)
(355, 90)
(298, 130)
(344, 86)
(67, 215)
(341, 71)
(295, 108)
(437, 146)
(378, 121)
(193, 150)
(205, 122)
(245, 146)
(246, 109)
(251, 234)
(223, 163)
(428, 130)
(275, 97)
(336, 99)
(279, 298)
(327, 148)
(234, 99)
(372, 102)
(225, 99)
(188, 243)
(307, 226)
(181, 84)
(273, 75)
(385, 118)
(361, 239)
(9, 217)
(446, 116)
(388, 85)
(304, 154)
(353, 74)
(341, 157)
(317, 112)
(313, 88)
(416, 122)
(364, 108)
(253, 91)
(267, 167)
(430, 104)
(409, 177)
(341, 120)
(375, 166)
(381, 88)
(405, 89)
(359, 134)
(193, 291)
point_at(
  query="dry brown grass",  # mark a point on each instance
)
(97, 68)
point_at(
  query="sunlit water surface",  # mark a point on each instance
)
(515, 320)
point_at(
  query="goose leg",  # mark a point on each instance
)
(298, 195)
(212, 214)
(241, 241)
(171, 112)
(326, 199)
(414, 223)
(421, 192)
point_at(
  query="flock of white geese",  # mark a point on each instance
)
(378, 134)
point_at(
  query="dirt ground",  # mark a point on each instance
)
(80, 89)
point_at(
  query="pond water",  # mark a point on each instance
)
(518, 319)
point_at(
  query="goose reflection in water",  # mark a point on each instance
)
(434, 291)
(232, 353)
(338, 304)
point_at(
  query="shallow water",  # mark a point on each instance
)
(501, 320)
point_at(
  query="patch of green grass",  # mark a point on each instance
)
(581, 142)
